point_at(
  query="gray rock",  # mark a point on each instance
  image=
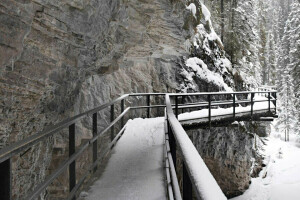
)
(62, 57)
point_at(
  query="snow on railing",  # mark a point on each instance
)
(196, 175)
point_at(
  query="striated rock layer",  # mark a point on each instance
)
(62, 57)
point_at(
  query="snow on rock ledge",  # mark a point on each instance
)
(193, 9)
(207, 62)
(201, 70)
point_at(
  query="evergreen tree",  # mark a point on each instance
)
(242, 41)
(287, 68)
(294, 57)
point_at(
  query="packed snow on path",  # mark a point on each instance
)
(280, 179)
(135, 169)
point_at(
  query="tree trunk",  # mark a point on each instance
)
(222, 20)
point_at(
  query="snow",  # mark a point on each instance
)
(205, 12)
(204, 181)
(280, 179)
(193, 9)
(204, 35)
(225, 111)
(135, 169)
(201, 69)
(213, 36)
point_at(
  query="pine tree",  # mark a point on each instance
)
(288, 66)
(242, 41)
(294, 57)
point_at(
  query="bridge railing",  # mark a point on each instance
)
(176, 135)
(8, 152)
(196, 177)
(236, 99)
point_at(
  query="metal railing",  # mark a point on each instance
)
(8, 152)
(177, 140)
(173, 130)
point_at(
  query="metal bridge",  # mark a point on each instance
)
(235, 106)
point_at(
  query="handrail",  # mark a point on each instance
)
(19, 146)
(219, 93)
(192, 161)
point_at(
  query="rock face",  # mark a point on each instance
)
(229, 155)
(59, 58)
(62, 57)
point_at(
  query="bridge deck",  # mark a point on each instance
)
(135, 169)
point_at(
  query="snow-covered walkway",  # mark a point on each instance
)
(135, 169)
(280, 179)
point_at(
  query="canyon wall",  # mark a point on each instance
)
(230, 154)
(62, 57)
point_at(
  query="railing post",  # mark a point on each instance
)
(112, 117)
(5, 180)
(182, 102)
(186, 184)
(176, 106)
(269, 98)
(234, 107)
(209, 110)
(275, 96)
(95, 143)
(252, 96)
(122, 110)
(172, 143)
(72, 166)
(148, 104)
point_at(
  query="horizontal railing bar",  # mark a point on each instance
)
(200, 102)
(220, 101)
(226, 115)
(144, 107)
(17, 147)
(57, 172)
(110, 125)
(66, 163)
(168, 176)
(73, 192)
(147, 94)
(218, 93)
(225, 103)
(109, 147)
(97, 109)
(174, 179)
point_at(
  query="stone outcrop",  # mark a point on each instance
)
(228, 152)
